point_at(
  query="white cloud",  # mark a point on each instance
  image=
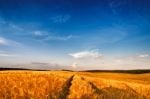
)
(86, 54)
(74, 65)
(7, 42)
(7, 55)
(143, 55)
(3, 41)
(39, 33)
(61, 18)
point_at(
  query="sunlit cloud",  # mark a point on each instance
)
(86, 54)
(74, 65)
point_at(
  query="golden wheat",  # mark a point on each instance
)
(73, 85)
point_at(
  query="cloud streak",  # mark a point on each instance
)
(143, 55)
(7, 54)
(86, 54)
(59, 38)
(48, 36)
(8, 42)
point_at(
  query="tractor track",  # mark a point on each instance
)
(66, 88)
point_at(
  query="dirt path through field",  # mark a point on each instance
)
(66, 88)
(78, 87)
(71, 85)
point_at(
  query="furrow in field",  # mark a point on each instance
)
(66, 88)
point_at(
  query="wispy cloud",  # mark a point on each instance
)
(39, 33)
(15, 27)
(143, 55)
(59, 38)
(8, 42)
(86, 54)
(39, 63)
(48, 36)
(61, 18)
(12, 28)
(115, 6)
(7, 54)
(3, 41)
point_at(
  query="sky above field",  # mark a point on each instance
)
(75, 34)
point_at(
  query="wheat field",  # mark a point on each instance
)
(73, 85)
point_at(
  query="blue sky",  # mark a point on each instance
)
(75, 34)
